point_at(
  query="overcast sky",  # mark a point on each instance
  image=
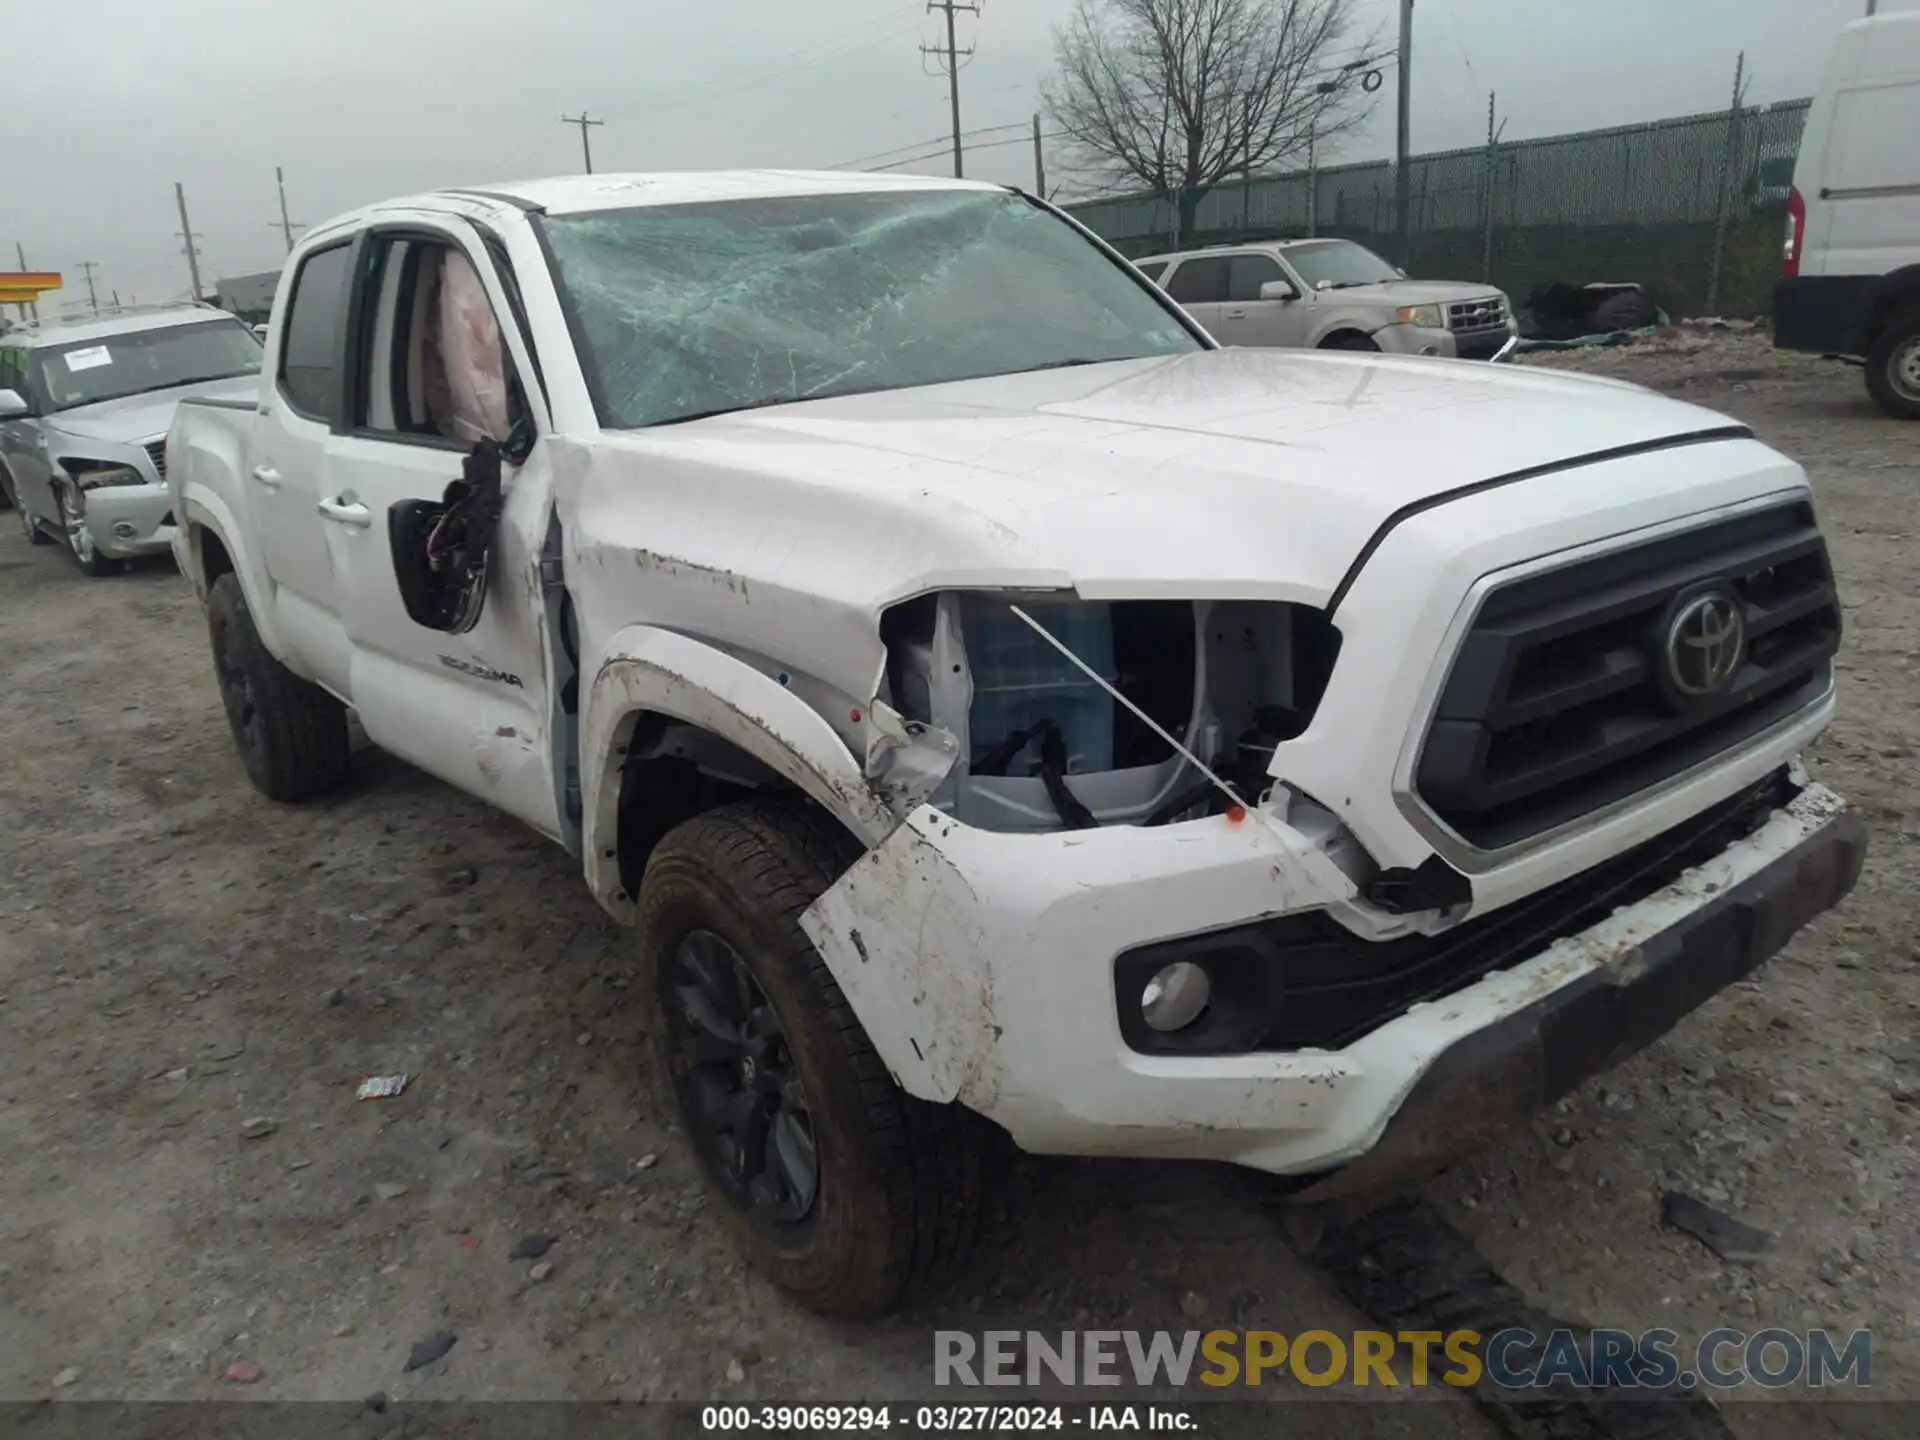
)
(360, 100)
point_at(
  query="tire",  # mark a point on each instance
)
(897, 1187)
(80, 544)
(1893, 365)
(1348, 340)
(291, 734)
(35, 535)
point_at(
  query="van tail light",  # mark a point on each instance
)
(1796, 232)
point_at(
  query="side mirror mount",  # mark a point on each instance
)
(1278, 290)
(260, 333)
(12, 406)
(1400, 270)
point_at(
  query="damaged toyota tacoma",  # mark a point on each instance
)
(994, 705)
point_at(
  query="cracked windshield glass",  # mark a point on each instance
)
(694, 310)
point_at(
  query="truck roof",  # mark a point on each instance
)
(580, 194)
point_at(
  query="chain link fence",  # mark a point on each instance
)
(1693, 208)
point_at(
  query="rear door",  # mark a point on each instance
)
(1871, 180)
(1246, 319)
(1198, 285)
(285, 461)
(436, 369)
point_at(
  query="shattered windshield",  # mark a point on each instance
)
(1336, 264)
(693, 310)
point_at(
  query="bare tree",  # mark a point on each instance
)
(1177, 95)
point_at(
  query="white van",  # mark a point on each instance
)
(1852, 277)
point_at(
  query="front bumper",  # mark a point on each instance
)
(1492, 1079)
(127, 520)
(982, 966)
(1415, 340)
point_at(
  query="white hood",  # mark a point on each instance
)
(1246, 474)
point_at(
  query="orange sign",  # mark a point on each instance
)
(22, 287)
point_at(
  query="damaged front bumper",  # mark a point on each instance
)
(129, 520)
(983, 966)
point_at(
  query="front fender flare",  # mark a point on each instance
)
(650, 670)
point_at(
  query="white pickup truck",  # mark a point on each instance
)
(994, 704)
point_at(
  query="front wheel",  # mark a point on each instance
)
(80, 539)
(1349, 340)
(1893, 366)
(844, 1190)
(35, 535)
(291, 734)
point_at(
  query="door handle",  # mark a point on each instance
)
(1236, 314)
(267, 476)
(347, 512)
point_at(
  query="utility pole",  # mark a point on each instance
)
(1039, 168)
(954, 55)
(93, 301)
(1727, 166)
(188, 234)
(1402, 197)
(116, 302)
(586, 148)
(1493, 143)
(1313, 181)
(287, 227)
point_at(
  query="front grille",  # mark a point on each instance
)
(1305, 980)
(157, 452)
(1470, 315)
(1565, 697)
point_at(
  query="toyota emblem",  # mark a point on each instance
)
(1706, 645)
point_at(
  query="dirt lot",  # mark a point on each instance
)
(178, 957)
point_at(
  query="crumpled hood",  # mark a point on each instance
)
(142, 417)
(1255, 474)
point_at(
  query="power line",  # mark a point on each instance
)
(990, 145)
(941, 140)
(586, 149)
(799, 64)
(954, 55)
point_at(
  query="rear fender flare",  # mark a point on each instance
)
(201, 509)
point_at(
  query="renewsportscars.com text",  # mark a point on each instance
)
(1515, 1359)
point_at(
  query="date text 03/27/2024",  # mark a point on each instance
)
(941, 1419)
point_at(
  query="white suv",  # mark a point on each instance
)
(84, 410)
(1332, 295)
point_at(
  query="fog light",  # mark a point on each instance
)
(123, 530)
(1175, 997)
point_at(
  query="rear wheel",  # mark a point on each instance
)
(1893, 366)
(291, 734)
(80, 539)
(844, 1190)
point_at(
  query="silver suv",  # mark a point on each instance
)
(1331, 295)
(84, 411)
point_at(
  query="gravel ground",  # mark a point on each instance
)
(178, 958)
